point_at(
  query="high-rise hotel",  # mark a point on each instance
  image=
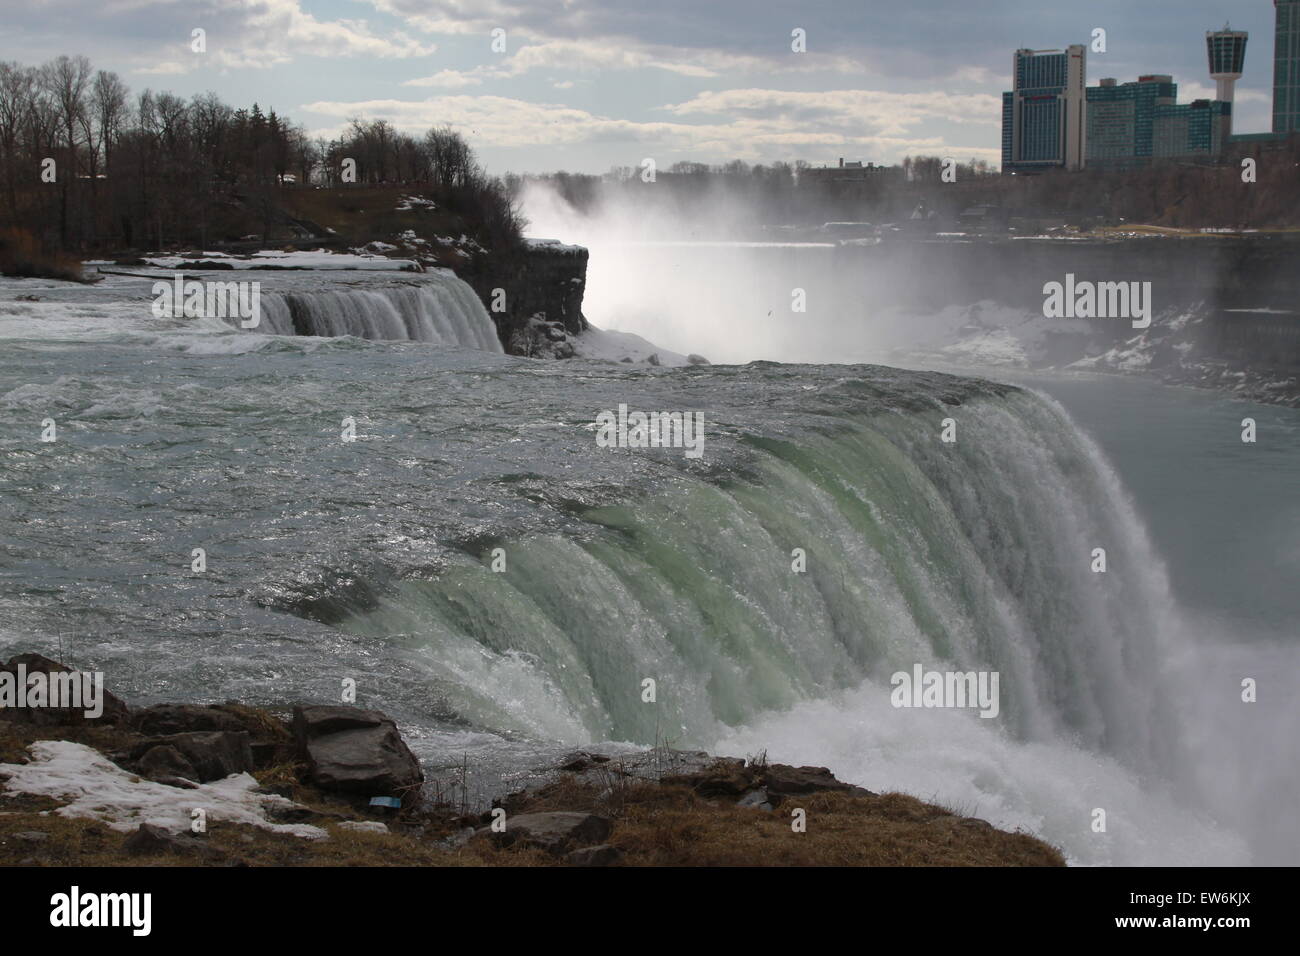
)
(1044, 117)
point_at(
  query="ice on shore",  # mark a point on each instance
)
(98, 789)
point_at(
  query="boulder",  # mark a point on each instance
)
(162, 720)
(555, 832)
(150, 840)
(782, 780)
(211, 755)
(603, 855)
(355, 751)
(164, 763)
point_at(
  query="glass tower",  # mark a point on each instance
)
(1286, 67)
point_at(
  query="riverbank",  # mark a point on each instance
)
(230, 785)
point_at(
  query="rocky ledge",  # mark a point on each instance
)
(319, 785)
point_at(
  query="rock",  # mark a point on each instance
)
(653, 358)
(603, 855)
(30, 836)
(162, 720)
(213, 755)
(114, 710)
(555, 832)
(694, 359)
(576, 762)
(356, 751)
(269, 740)
(150, 840)
(782, 780)
(756, 799)
(724, 777)
(163, 763)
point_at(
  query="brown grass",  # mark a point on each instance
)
(363, 213)
(21, 255)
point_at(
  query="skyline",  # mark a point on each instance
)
(585, 86)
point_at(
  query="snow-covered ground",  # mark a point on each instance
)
(97, 789)
(315, 259)
(610, 346)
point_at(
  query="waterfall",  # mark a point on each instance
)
(971, 555)
(441, 309)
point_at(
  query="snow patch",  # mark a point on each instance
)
(100, 790)
(610, 346)
(301, 259)
(554, 245)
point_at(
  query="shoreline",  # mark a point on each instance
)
(336, 785)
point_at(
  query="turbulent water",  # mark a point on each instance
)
(503, 586)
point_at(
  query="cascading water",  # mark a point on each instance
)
(441, 309)
(974, 554)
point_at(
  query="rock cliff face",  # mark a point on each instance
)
(534, 296)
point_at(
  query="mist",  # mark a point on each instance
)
(716, 281)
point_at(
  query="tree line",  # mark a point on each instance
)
(86, 165)
(1183, 194)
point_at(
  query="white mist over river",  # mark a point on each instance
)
(372, 559)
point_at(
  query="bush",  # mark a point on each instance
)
(23, 256)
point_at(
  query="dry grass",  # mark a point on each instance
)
(22, 255)
(362, 213)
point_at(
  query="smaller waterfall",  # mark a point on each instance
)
(440, 309)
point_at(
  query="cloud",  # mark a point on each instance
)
(763, 125)
(154, 36)
(580, 35)
(890, 114)
(446, 79)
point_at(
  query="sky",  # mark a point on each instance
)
(586, 85)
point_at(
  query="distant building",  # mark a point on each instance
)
(1286, 68)
(1044, 114)
(848, 172)
(1196, 130)
(1122, 119)
(1131, 124)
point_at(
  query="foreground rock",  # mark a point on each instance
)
(151, 840)
(203, 756)
(355, 751)
(554, 832)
